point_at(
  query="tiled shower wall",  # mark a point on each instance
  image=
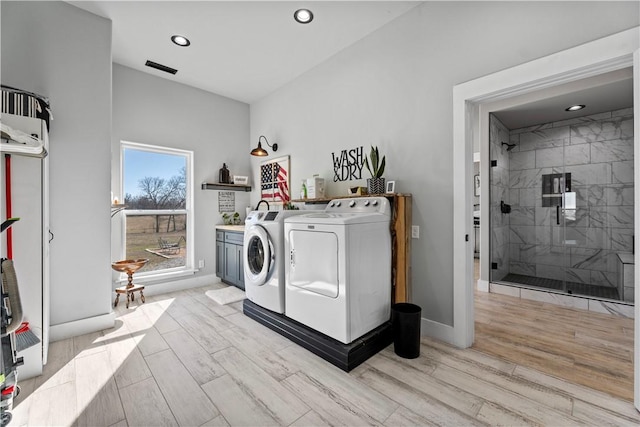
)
(598, 152)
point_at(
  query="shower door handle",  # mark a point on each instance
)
(558, 214)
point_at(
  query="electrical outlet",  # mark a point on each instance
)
(201, 263)
(415, 231)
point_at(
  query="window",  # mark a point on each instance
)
(157, 188)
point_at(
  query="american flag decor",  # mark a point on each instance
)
(274, 180)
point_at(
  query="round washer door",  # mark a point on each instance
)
(257, 255)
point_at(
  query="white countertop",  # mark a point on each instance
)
(239, 228)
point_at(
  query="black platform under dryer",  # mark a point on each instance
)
(344, 356)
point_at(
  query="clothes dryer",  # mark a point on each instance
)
(338, 267)
(263, 257)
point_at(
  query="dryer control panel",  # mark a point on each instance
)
(360, 205)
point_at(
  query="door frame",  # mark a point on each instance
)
(471, 102)
(485, 109)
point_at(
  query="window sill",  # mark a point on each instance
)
(158, 278)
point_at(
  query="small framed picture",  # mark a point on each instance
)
(476, 185)
(391, 187)
(241, 180)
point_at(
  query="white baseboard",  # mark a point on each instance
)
(482, 285)
(81, 327)
(106, 321)
(437, 330)
(179, 285)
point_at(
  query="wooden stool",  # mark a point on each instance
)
(129, 266)
(129, 290)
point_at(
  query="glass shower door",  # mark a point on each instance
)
(562, 206)
(552, 259)
(500, 201)
(599, 230)
(532, 200)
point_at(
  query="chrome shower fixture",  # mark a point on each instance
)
(509, 146)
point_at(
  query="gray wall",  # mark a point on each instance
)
(152, 110)
(598, 152)
(394, 89)
(60, 51)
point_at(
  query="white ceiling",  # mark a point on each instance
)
(606, 92)
(239, 49)
(245, 50)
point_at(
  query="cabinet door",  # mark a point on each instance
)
(30, 240)
(239, 254)
(230, 263)
(220, 259)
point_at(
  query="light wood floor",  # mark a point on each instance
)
(182, 359)
(582, 347)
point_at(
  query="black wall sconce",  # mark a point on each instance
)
(261, 152)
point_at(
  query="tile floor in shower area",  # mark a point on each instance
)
(571, 288)
(553, 296)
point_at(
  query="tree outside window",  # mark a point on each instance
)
(157, 196)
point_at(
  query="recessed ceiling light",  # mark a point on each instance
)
(303, 16)
(575, 107)
(180, 40)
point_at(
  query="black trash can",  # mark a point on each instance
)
(405, 319)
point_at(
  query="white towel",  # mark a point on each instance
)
(226, 295)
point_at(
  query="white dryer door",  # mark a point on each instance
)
(258, 256)
(314, 262)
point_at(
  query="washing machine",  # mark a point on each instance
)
(263, 257)
(338, 267)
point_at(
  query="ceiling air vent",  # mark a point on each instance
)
(160, 67)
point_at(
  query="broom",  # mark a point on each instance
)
(25, 337)
(8, 223)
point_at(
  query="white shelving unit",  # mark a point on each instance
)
(31, 236)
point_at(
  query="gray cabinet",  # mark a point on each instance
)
(229, 259)
(240, 259)
(219, 254)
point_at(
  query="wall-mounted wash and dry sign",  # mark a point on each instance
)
(348, 164)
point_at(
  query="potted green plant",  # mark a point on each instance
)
(229, 219)
(236, 218)
(375, 184)
(226, 218)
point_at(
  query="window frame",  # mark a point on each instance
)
(189, 267)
